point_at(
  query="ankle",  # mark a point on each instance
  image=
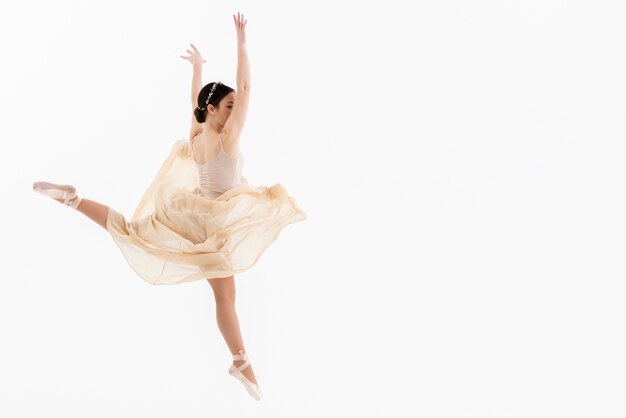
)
(240, 354)
(74, 202)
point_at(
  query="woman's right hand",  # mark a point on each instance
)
(194, 56)
(240, 25)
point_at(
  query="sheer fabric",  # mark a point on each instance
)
(178, 235)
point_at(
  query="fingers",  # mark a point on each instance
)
(239, 20)
(193, 55)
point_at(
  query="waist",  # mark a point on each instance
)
(213, 192)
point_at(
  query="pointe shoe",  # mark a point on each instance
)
(56, 191)
(252, 388)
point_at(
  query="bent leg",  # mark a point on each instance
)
(95, 211)
(227, 321)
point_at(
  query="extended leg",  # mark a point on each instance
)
(227, 321)
(94, 210)
(66, 194)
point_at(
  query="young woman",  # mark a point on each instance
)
(200, 219)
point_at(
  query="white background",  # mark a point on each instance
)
(461, 165)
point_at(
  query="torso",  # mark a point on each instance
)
(206, 147)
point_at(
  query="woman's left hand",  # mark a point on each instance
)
(194, 56)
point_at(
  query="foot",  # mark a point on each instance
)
(242, 371)
(247, 371)
(62, 193)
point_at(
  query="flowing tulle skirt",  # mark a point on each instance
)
(177, 235)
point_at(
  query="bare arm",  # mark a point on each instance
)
(237, 118)
(196, 85)
(243, 67)
(196, 60)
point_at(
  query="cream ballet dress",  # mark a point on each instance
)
(201, 221)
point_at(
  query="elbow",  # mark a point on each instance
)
(243, 87)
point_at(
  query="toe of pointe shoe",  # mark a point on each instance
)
(255, 391)
(39, 185)
(51, 188)
(57, 191)
(253, 388)
(48, 189)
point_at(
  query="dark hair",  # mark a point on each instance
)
(220, 92)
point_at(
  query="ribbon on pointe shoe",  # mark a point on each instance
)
(75, 201)
(241, 356)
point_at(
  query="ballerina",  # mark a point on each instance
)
(200, 219)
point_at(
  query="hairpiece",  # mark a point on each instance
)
(210, 94)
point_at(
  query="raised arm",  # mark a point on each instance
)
(196, 85)
(243, 65)
(237, 118)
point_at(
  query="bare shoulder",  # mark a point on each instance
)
(196, 127)
(199, 148)
(194, 138)
(231, 143)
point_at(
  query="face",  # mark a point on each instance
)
(225, 107)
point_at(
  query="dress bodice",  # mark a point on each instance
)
(220, 174)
